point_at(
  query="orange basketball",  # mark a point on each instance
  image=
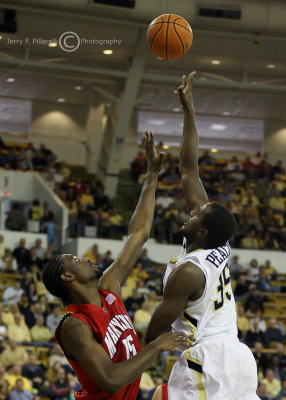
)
(169, 36)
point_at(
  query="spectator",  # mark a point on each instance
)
(19, 393)
(51, 373)
(241, 288)
(36, 212)
(12, 294)
(37, 311)
(61, 388)
(138, 166)
(270, 270)
(272, 384)
(242, 323)
(235, 268)
(13, 354)
(19, 331)
(277, 203)
(280, 353)
(16, 220)
(107, 260)
(93, 253)
(262, 324)
(142, 318)
(7, 262)
(40, 251)
(50, 228)
(8, 316)
(133, 303)
(34, 259)
(254, 301)
(4, 390)
(272, 333)
(54, 318)
(26, 281)
(282, 392)
(3, 330)
(87, 199)
(33, 371)
(164, 200)
(115, 224)
(250, 241)
(206, 159)
(261, 358)
(250, 196)
(255, 335)
(15, 372)
(263, 283)
(40, 333)
(32, 293)
(22, 255)
(262, 392)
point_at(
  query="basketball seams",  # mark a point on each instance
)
(163, 40)
(174, 23)
(155, 34)
(182, 44)
(166, 41)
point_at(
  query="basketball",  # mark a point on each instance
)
(169, 36)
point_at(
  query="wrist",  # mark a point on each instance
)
(151, 174)
(156, 345)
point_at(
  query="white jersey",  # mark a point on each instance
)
(214, 312)
(216, 366)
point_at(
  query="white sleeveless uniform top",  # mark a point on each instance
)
(214, 313)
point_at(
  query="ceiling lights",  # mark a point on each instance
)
(52, 44)
(215, 62)
(78, 87)
(61, 100)
(10, 80)
(107, 52)
(218, 127)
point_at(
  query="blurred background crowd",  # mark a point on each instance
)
(34, 367)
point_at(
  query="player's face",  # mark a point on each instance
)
(193, 223)
(83, 268)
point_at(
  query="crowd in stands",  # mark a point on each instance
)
(34, 367)
(253, 189)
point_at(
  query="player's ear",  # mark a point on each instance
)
(203, 232)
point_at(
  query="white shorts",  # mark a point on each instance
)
(215, 369)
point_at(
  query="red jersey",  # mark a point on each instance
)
(114, 331)
(165, 391)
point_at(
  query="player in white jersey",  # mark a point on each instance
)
(198, 298)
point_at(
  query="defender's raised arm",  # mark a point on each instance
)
(140, 223)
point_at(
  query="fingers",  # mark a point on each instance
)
(190, 80)
(148, 138)
(180, 337)
(184, 80)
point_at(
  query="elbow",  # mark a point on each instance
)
(110, 386)
(113, 384)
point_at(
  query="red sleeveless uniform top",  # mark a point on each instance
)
(165, 391)
(113, 329)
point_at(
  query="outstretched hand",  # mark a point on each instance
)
(184, 91)
(154, 161)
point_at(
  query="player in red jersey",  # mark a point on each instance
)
(161, 392)
(96, 334)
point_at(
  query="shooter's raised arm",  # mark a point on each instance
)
(194, 191)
